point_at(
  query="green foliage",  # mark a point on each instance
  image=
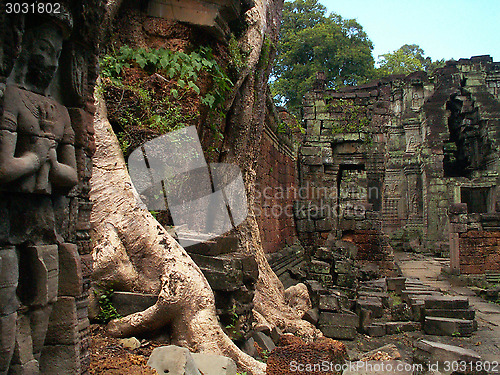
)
(312, 41)
(123, 140)
(179, 66)
(395, 299)
(405, 60)
(144, 108)
(238, 57)
(353, 119)
(107, 311)
(233, 326)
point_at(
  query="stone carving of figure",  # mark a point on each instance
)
(37, 162)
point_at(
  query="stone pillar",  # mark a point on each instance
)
(457, 213)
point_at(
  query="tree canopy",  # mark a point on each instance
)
(407, 59)
(312, 40)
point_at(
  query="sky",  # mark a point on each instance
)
(444, 29)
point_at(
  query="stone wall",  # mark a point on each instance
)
(276, 184)
(46, 143)
(403, 148)
(474, 241)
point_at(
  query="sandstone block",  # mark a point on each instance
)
(448, 327)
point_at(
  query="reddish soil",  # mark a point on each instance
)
(109, 357)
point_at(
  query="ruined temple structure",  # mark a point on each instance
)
(406, 161)
(48, 67)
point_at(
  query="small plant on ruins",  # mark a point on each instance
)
(232, 327)
(352, 117)
(456, 334)
(395, 299)
(107, 311)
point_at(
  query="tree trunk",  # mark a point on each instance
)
(243, 138)
(134, 252)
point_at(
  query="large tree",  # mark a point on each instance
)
(312, 41)
(405, 60)
(133, 252)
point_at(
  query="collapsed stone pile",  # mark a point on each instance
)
(388, 306)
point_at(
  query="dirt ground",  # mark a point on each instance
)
(109, 357)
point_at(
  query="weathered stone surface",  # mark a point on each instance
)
(173, 360)
(399, 327)
(70, 271)
(60, 359)
(329, 302)
(446, 302)
(338, 325)
(128, 302)
(434, 352)
(312, 316)
(373, 304)
(338, 332)
(468, 314)
(345, 318)
(45, 273)
(376, 330)
(9, 276)
(8, 339)
(264, 341)
(63, 323)
(396, 284)
(130, 343)
(317, 266)
(448, 326)
(211, 364)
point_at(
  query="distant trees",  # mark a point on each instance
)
(407, 59)
(312, 41)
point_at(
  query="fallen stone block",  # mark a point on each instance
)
(264, 341)
(338, 332)
(396, 284)
(345, 318)
(317, 266)
(434, 352)
(130, 343)
(325, 279)
(311, 316)
(447, 302)
(173, 360)
(365, 319)
(372, 304)
(376, 330)
(467, 314)
(384, 297)
(329, 302)
(211, 364)
(401, 313)
(448, 327)
(417, 306)
(393, 328)
(423, 294)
